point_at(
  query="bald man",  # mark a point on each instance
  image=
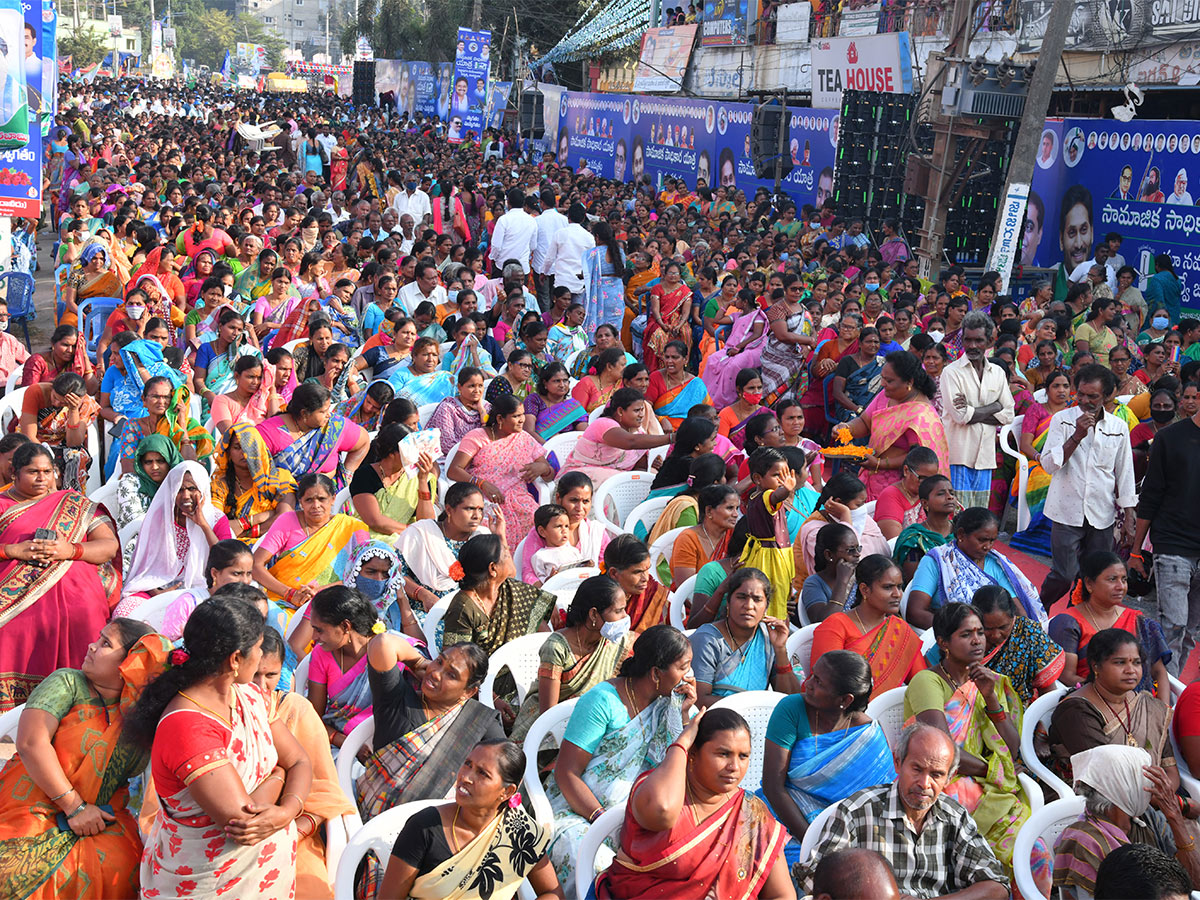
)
(854, 875)
(929, 840)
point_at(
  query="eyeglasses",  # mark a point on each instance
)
(166, 397)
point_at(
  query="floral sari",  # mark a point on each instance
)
(187, 854)
(729, 855)
(621, 756)
(268, 482)
(320, 558)
(961, 578)
(37, 858)
(500, 461)
(73, 462)
(493, 864)
(671, 312)
(604, 295)
(1028, 658)
(50, 614)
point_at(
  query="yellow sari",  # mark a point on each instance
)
(320, 558)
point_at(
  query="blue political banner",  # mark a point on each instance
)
(593, 132)
(673, 138)
(811, 142)
(497, 103)
(443, 79)
(469, 94)
(49, 51)
(1139, 179)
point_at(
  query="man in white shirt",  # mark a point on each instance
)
(424, 287)
(564, 260)
(1081, 271)
(515, 235)
(1088, 456)
(413, 200)
(549, 223)
(406, 234)
(338, 209)
(977, 400)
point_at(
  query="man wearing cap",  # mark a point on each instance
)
(1180, 196)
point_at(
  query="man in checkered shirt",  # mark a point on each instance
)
(930, 841)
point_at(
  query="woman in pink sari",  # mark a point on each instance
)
(900, 417)
(743, 350)
(55, 596)
(253, 400)
(504, 460)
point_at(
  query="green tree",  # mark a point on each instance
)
(85, 47)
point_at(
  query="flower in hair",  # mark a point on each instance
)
(515, 800)
(178, 656)
(456, 571)
(378, 627)
(690, 480)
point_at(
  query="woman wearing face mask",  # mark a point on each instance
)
(1156, 328)
(130, 316)
(1163, 411)
(842, 500)
(581, 655)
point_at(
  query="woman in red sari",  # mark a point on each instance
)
(821, 367)
(670, 304)
(55, 595)
(690, 832)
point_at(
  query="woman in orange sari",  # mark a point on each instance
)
(637, 289)
(670, 307)
(821, 366)
(690, 833)
(873, 628)
(899, 418)
(71, 765)
(160, 262)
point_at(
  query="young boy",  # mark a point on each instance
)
(554, 527)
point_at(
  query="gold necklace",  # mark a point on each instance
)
(453, 826)
(228, 720)
(1086, 607)
(956, 685)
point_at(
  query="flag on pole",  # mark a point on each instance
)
(227, 68)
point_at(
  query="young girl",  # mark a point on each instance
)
(553, 526)
(767, 547)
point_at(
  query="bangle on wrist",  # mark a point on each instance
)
(596, 813)
(58, 797)
(298, 800)
(783, 668)
(77, 810)
(76, 551)
(1131, 556)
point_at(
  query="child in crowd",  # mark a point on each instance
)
(554, 527)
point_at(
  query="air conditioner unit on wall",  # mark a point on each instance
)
(981, 88)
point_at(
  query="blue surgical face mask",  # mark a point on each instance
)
(371, 588)
(410, 185)
(871, 286)
(783, 257)
(1160, 322)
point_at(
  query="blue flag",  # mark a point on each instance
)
(227, 68)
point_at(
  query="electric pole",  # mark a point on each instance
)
(1033, 120)
(477, 15)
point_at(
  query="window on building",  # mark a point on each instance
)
(269, 20)
(130, 44)
(299, 23)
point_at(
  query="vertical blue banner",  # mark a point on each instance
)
(468, 94)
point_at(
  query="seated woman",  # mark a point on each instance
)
(492, 607)
(699, 473)
(166, 413)
(712, 581)
(690, 832)
(982, 714)
(229, 562)
(617, 730)
(637, 376)
(308, 437)
(705, 542)
(1096, 604)
(467, 351)
(67, 353)
(384, 493)
(423, 380)
(457, 415)
(366, 407)
(516, 379)
(273, 310)
(309, 355)
(573, 492)
(842, 500)
(1017, 647)
(873, 627)
(603, 377)
(424, 729)
(68, 768)
(734, 418)
(616, 441)
(504, 460)
(856, 379)
(695, 437)
(1119, 786)
(746, 650)
(899, 505)
(213, 747)
(551, 409)
(156, 456)
(938, 507)
(173, 543)
(253, 398)
(247, 485)
(627, 561)
(953, 572)
(394, 347)
(306, 548)
(584, 652)
(821, 746)
(835, 557)
(339, 378)
(58, 414)
(213, 369)
(673, 390)
(1109, 709)
(434, 854)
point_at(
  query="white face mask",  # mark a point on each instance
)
(3, 325)
(937, 336)
(614, 631)
(858, 519)
(135, 312)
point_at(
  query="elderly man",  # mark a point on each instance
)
(413, 200)
(929, 840)
(1088, 456)
(851, 874)
(424, 288)
(1180, 195)
(977, 399)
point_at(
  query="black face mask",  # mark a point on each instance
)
(1162, 416)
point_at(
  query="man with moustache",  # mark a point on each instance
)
(930, 841)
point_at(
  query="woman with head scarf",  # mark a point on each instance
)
(94, 274)
(247, 485)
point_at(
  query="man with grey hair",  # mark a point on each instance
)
(977, 400)
(930, 841)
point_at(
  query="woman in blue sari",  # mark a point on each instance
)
(310, 438)
(821, 746)
(856, 380)
(423, 381)
(603, 286)
(551, 409)
(673, 390)
(745, 651)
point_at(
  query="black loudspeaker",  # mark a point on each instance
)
(768, 119)
(363, 93)
(532, 119)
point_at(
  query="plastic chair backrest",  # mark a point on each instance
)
(359, 737)
(379, 835)
(564, 584)
(1047, 823)
(295, 620)
(424, 411)
(799, 647)
(154, 609)
(519, 557)
(756, 708)
(888, 710)
(9, 722)
(433, 618)
(343, 497)
(19, 293)
(1039, 713)
(105, 494)
(677, 603)
(520, 657)
(552, 723)
(661, 549)
(605, 827)
(10, 408)
(14, 379)
(646, 512)
(616, 497)
(300, 676)
(815, 827)
(561, 445)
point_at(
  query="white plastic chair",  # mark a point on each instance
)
(756, 708)
(154, 609)
(1010, 444)
(520, 657)
(799, 647)
(1039, 712)
(379, 835)
(337, 834)
(10, 407)
(646, 512)
(1189, 781)
(552, 723)
(815, 827)
(660, 550)
(424, 411)
(9, 722)
(561, 445)
(343, 497)
(564, 584)
(616, 497)
(888, 710)
(300, 676)
(904, 601)
(295, 620)
(1047, 823)
(106, 494)
(605, 827)
(127, 534)
(360, 736)
(14, 379)
(677, 603)
(432, 619)
(519, 557)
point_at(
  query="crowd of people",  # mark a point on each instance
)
(346, 430)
